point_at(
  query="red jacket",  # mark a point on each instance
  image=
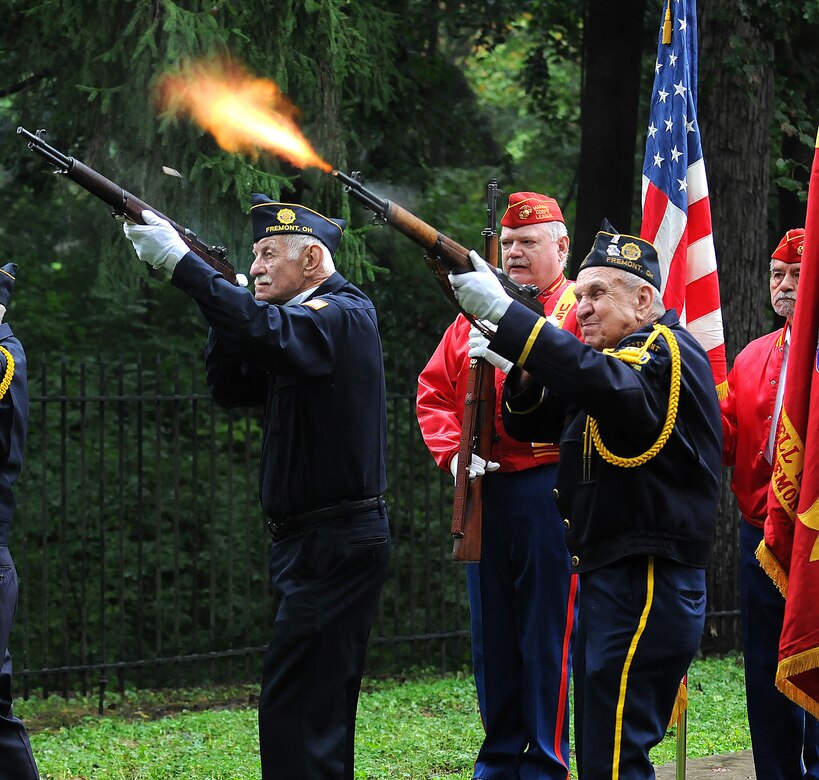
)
(747, 413)
(442, 388)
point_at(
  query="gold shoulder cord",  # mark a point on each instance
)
(4, 385)
(635, 355)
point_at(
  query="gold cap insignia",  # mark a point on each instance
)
(286, 216)
(631, 251)
(799, 250)
(525, 211)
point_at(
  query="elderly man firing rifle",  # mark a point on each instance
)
(638, 421)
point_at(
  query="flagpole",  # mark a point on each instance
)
(682, 744)
(680, 758)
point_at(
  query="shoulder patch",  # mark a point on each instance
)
(315, 303)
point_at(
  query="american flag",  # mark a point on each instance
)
(676, 205)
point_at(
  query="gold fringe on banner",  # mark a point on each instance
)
(680, 704)
(791, 667)
(771, 566)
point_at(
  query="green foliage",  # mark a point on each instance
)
(108, 59)
(206, 745)
(788, 29)
(361, 76)
(420, 727)
(408, 91)
(539, 132)
(412, 310)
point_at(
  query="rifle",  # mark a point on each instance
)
(477, 426)
(443, 254)
(124, 204)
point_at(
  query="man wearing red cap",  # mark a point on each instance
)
(783, 737)
(522, 593)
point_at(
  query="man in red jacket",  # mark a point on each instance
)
(785, 740)
(522, 593)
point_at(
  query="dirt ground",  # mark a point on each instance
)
(734, 766)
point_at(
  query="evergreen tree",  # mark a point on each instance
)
(93, 92)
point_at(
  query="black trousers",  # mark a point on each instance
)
(16, 759)
(641, 620)
(328, 582)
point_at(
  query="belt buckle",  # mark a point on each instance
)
(276, 528)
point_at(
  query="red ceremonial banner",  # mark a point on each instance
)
(790, 550)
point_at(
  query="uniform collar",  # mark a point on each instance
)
(669, 319)
(302, 296)
(332, 284)
(545, 294)
(555, 284)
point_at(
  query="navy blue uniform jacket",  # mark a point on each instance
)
(13, 428)
(666, 507)
(317, 369)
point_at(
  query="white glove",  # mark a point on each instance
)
(156, 242)
(477, 466)
(480, 293)
(479, 348)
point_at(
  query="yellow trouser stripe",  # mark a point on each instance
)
(530, 342)
(621, 700)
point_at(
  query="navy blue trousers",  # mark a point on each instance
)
(784, 738)
(640, 624)
(328, 583)
(16, 759)
(522, 605)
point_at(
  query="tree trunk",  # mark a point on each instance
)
(735, 114)
(609, 107)
(792, 208)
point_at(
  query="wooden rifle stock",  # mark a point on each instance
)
(124, 204)
(476, 436)
(477, 427)
(445, 256)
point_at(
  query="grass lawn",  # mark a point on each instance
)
(419, 727)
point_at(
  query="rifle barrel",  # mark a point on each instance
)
(447, 254)
(124, 203)
(37, 144)
(453, 256)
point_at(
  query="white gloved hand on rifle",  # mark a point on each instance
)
(480, 292)
(479, 348)
(156, 242)
(477, 466)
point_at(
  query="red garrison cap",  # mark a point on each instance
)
(529, 208)
(790, 247)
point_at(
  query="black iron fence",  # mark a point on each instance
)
(141, 547)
